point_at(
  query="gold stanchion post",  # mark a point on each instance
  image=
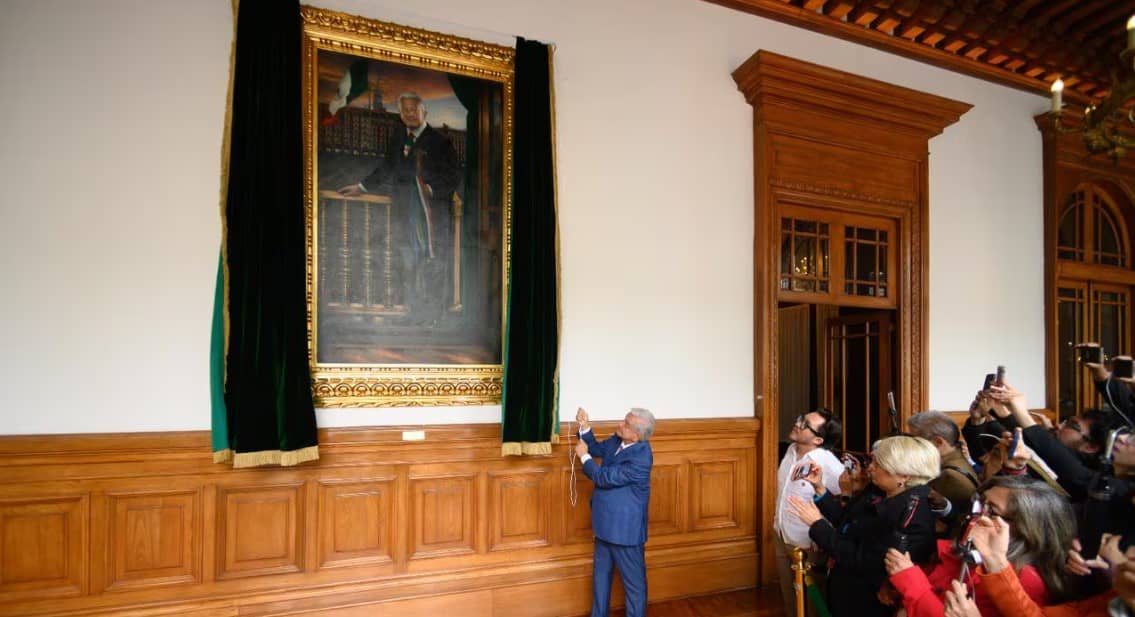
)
(799, 567)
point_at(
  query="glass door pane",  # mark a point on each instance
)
(1071, 300)
(805, 255)
(865, 265)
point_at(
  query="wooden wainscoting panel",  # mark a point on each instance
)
(153, 538)
(356, 522)
(262, 530)
(713, 494)
(576, 528)
(376, 526)
(666, 500)
(43, 547)
(520, 506)
(443, 515)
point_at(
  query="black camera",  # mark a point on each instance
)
(1123, 367)
(1091, 353)
(901, 542)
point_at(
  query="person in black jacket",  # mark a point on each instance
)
(1106, 494)
(893, 512)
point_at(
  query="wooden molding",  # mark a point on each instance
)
(767, 78)
(146, 524)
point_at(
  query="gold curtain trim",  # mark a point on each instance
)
(275, 457)
(223, 456)
(528, 448)
(226, 148)
(556, 213)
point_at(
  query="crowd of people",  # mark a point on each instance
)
(1005, 515)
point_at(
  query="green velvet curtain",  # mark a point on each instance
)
(530, 421)
(269, 414)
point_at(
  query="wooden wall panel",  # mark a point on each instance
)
(153, 538)
(666, 500)
(262, 530)
(375, 527)
(714, 499)
(520, 508)
(356, 522)
(43, 547)
(577, 519)
(443, 511)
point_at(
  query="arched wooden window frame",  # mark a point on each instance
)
(1068, 168)
(1087, 229)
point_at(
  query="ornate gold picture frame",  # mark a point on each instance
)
(408, 174)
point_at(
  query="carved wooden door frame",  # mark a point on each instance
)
(835, 140)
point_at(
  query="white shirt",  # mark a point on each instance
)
(790, 528)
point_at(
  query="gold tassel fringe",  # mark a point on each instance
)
(275, 457)
(529, 448)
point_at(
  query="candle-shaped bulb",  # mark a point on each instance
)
(1057, 95)
(1131, 33)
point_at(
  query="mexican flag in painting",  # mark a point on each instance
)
(353, 83)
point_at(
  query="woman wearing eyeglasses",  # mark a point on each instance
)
(893, 512)
(992, 537)
(1042, 527)
(1105, 495)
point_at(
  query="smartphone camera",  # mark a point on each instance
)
(802, 471)
(1123, 366)
(989, 379)
(1091, 353)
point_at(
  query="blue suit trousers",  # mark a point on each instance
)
(631, 562)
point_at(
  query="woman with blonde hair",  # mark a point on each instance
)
(893, 512)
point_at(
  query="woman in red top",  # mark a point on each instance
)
(1038, 546)
(991, 537)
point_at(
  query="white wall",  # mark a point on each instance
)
(112, 120)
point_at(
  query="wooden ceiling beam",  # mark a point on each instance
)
(838, 9)
(1048, 11)
(1023, 44)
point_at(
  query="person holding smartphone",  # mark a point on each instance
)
(1106, 494)
(893, 512)
(810, 438)
(992, 539)
(1113, 392)
(1043, 527)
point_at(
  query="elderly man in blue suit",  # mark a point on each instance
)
(619, 506)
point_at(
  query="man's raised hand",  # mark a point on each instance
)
(582, 419)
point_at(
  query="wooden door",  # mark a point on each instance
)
(858, 376)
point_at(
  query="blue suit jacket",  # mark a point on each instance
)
(621, 501)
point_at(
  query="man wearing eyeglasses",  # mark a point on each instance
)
(809, 439)
(1086, 435)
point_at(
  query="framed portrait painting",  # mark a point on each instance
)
(408, 136)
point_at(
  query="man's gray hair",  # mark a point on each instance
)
(645, 425)
(413, 96)
(930, 424)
